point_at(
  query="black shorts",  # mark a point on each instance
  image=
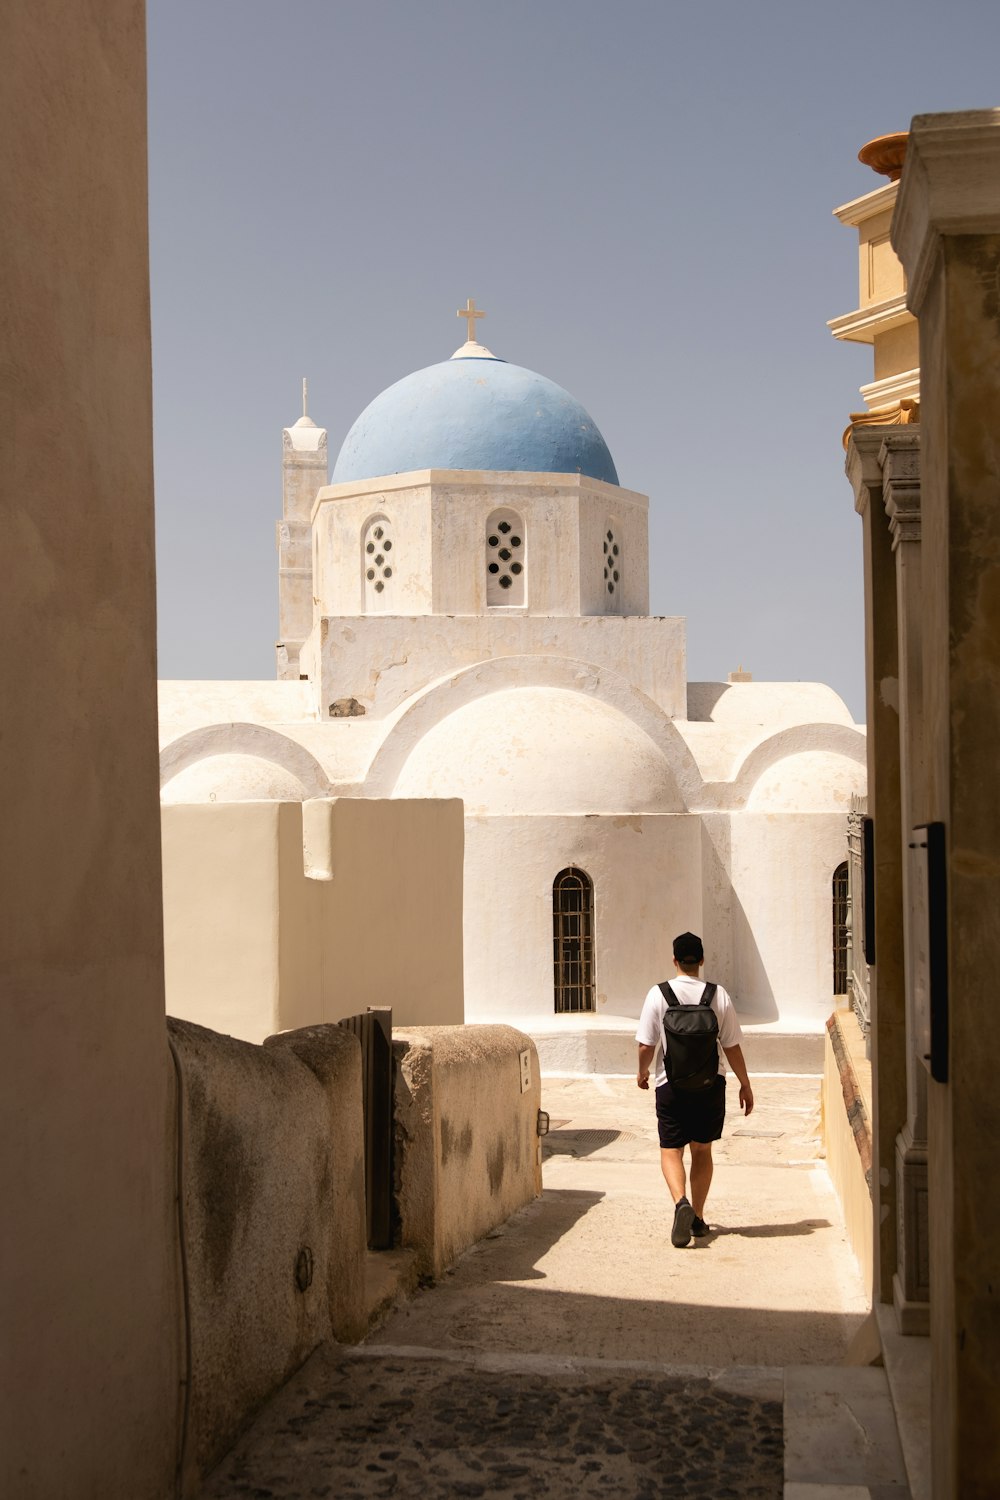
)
(683, 1117)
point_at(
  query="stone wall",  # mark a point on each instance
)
(467, 1153)
(270, 1162)
(271, 1227)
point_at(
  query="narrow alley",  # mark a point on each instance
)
(576, 1352)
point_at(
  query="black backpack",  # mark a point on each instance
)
(690, 1041)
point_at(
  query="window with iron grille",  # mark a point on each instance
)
(573, 940)
(506, 560)
(378, 562)
(613, 567)
(841, 927)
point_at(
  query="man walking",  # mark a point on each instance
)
(690, 1117)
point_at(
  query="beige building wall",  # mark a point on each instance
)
(282, 914)
(947, 234)
(90, 1313)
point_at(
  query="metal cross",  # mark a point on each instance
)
(305, 397)
(470, 313)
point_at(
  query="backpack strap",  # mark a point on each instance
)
(667, 992)
(709, 994)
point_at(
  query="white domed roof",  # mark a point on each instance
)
(811, 781)
(540, 750)
(234, 778)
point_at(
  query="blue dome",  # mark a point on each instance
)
(474, 413)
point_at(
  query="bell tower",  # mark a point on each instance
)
(304, 470)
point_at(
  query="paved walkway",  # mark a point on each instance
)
(576, 1352)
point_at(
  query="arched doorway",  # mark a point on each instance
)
(573, 940)
(841, 922)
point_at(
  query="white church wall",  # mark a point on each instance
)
(541, 750)
(728, 725)
(393, 658)
(646, 873)
(340, 516)
(439, 525)
(547, 510)
(282, 914)
(184, 706)
(613, 538)
(782, 869)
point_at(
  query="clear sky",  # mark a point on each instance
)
(639, 194)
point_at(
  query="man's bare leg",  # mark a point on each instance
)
(702, 1167)
(672, 1167)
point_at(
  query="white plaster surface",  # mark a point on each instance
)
(270, 924)
(811, 781)
(234, 778)
(184, 706)
(646, 875)
(541, 750)
(439, 526)
(383, 661)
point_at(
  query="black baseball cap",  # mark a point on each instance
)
(688, 948)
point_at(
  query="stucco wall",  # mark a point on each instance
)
(769, 909)
(280, 915)
(647, 887)
(87, 1269)
(392, 657)
(843, 1095)
(466, 1138)
(272, 1183)
(438, 523)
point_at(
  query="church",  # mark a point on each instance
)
(464, 615)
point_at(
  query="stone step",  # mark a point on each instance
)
(574, 1047)
(841, 1441)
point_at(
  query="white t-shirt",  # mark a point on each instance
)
(689, 992)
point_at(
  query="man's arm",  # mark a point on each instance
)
(734, 1056)
(646, 1055)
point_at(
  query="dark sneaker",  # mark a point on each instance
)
(680, 1235)
(699, 1228)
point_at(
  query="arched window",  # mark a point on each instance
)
(378, 563)
(506, 560)
(841, 922)
(573, 940)
(614, 568)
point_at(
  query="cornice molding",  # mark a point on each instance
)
(861, 326)
(862, 466)
(899, 459)
(860, 210)
(950, 186)
(893, 390)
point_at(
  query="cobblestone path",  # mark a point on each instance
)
(409, 1423)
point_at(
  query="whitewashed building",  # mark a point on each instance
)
(463, 611)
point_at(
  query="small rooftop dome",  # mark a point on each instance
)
(474, 411)
(541, 750)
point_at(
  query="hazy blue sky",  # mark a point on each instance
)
(639, 194)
